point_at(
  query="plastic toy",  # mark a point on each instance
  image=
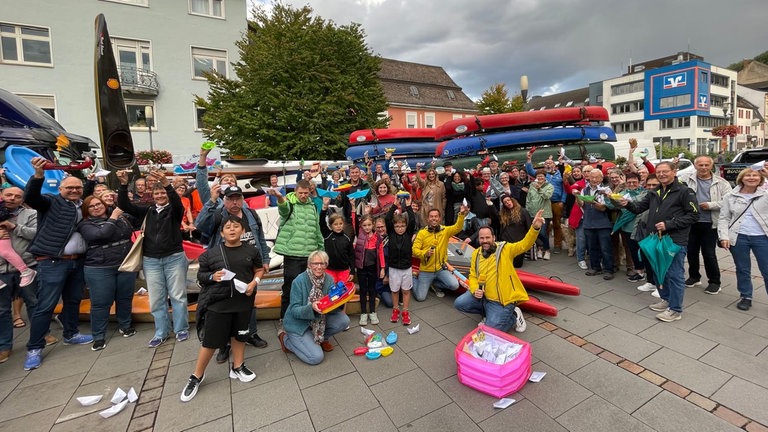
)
(392, 338)
(338, 295)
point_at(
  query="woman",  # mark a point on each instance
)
(455, 193)
(109, 240)
(538, 198)
(383, 200)
(108, 197)
(743, 226)
(432, 192)
(573, 182)
(515, 222)
(187, 221)
(305, 329)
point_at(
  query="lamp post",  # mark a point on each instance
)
(524, 90)
(149, 117)
(728, 114)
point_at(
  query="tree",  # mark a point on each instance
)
(738, 66)
(303, 85)
(495, 100)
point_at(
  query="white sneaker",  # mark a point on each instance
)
(583, 265)
(242, 373)
(363, 320)
(374, 318)
(539, 254)
(520, 325)
(546, 255)
(646, 287)
(438, 293)
(656, 294)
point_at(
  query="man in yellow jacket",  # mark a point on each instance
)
(494, 288)
(431, 248)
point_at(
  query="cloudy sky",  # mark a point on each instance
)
(559, 44)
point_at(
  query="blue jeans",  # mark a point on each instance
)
(6, 311)
(304, 345)
(443, 280)
(292, 268)
(167, 277)
(496, 316)
(107, 285)
(600, 249)
(543, 236)
(740, 252)
(384, 293)
(581, 242)
(673, 288)
(56, 279)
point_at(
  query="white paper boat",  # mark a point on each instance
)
(114, 409)
(89, 400)
(414, 329)
(366, 331)
(132, 396)
(118, 396)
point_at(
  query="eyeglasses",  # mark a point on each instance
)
(318, 264)
(97, 205)
(73, 187)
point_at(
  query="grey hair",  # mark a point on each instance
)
(318, 254)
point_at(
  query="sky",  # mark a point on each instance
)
(560, 45)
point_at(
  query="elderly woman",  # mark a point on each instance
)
(109, 240)
(305, 329)
(743, 226)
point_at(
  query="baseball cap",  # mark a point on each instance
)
(233, 190)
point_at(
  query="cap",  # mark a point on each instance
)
(233, 190)
(447, 164)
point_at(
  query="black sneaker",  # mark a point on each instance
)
(712, 289)
(637, 277)
(608, 276)
(744, 304)
(223, 354)
(256, 341)
(690, 283)
(98, 345)
(191, 388)
(242, 373)
(128, 331)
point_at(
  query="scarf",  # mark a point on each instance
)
(458, 187)
(315, 294)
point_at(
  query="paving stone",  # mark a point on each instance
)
(531, 333)
(153, 383)
(625, 344)
(548, 326)
(409, 396)
(668, 413)
(755, 427)
(730, 416)
(94, 421)
(652, 377)
(623, 319)
(141, 423)
(686, 371)
(375, 420)
(556, 393)
(182, 352)
(220, 424)
(626, 298)
(398, 362)
(731, 318)
(333, 366)
(447, 418)
(746, 398)
(436, 360)
(576, 340)
(427, 335)
(611, 383)
(631, 367)
(63, 361)
(681, 341)
(31, 399)
(757, 326)
(456, 330)
(337, 400)
(525, 416)
(437, 315)
(41, 421)
(592, 348)
(208, 405)
(178, 375)
(610, 357)
(576, 322)
(7, 386)
(267, 367)
(146, 408)
(737, 363)
(676, 389)
(595, 415)
(560, 354)
(701, 401)
(582, 303)
(688, 322)
(106, 388)
(272, 401)
(737, 339)
(478, 406)
(106, 366)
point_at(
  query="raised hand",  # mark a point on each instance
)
(538, 220)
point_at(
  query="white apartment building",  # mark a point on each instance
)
(162, 48)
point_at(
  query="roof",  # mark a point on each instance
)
(415, 84)
(754, 75)
(578, 97)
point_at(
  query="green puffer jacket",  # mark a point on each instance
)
(299, 232)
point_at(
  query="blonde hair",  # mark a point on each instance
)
(740, 177)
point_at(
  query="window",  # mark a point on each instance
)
(133, 58)
(457, 116)
(675, 123)
(45, 102)
(569, 104)
(627, 107)
(137, 118)
(205, 60)
(717, 101)
(710, 122)
(635, 126)
(429, 120)
(675, 101)
(25, 45)
(719, 80)
(704, 76)
(133, 2)
(410, 119)
(633, 87)
(451, 95)
(213, 8)
(199, 113)
(414, 91)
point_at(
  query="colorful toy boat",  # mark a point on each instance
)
(339, 294)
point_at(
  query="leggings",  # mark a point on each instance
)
(366, 277)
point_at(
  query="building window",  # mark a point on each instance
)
(45, 102)
(451, 95)
(633, 87)
(717, 101)
(208, 60)
(704, 76)
(133, 2)
(675, 101)
(719, 80)
(457, 116)
(675, 123)
(213, 8)
(710, 122)
(137, 119)
(25, 44)
(199, 113)
(410, 119)
(627, 107)
(635, 126)
(414, 91)
(429, 120)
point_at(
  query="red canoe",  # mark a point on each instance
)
(542, 283)
(365, 136)
(534, 305)
(519, 120)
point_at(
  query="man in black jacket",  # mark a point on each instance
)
(673, 209)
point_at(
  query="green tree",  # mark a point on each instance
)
(494, 100)
(738, 66)
(303, 85)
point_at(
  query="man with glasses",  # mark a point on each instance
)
(58, 249)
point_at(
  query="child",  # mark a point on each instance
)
(225, 311)
(399, 258)
(9, 254)
(369, 262)
(338, 245)
(382, 283)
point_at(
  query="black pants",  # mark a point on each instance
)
(292, 268)
(703, 239)
(366, 278)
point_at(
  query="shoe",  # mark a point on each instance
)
(4, 356)
(242, 373)
(281, 338)
(438, 293)
(156, 342)
(712, 289)
(3, 284)
(593, 272)
(78, 339)
(406, 318)
(34, 359)
(182, 336)
(690, 283)
(27, 277)
(669, 315)
(744, 304)
(631, 272)
(656, 294)
(191, 388)
(646, 287)
(546, 256)
(363, 320)
(520, 324)
(637, 277)
(51, 340)
(326, 345)
(556, 251)
(98, 345)
(223, 354)
(256, 341)
(395, 315)
(19, 322)
(539, 254)
(608, 276)
(660, 306)
(583, 265)
(128, 332)
(374, 318)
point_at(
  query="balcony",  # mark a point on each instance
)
(138, 81)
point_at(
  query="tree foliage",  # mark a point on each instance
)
(738, 66)
(303, 85)
(496, 100)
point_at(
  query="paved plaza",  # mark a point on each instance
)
(611, 366)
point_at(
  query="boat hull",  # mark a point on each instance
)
(365, 136)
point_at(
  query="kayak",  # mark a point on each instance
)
(399, 148)
(548, 284)
(18, 169)
(394, 134)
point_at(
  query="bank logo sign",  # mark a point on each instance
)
(674, 80)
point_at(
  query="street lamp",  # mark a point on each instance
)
(524, 89)
(149, 117)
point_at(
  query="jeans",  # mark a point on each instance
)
(304, 345)
(6, 309)
(292, 267)
(167, 277)
(673, 288)
(600, 249)
(634, 250)
(384, 293)
(496, 316)
(543, 234)
(443, 280)
(740, 252)
(581, 242)
(56, 279)
(703, 238)
(107, 285)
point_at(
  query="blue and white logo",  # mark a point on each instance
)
(703, 100)
(675, 80)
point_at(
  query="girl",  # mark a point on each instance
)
(515, 223)
(338, 245)
(384, 199)
(369, 263)
(9, 254)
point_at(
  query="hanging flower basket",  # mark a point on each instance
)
(157, 156)
(725, 131)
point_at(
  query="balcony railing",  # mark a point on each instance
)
(138, 81)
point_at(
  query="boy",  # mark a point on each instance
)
(399, 258)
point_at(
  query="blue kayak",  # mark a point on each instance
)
(18, 169)
(401, 148)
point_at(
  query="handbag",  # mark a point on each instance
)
(133, 260)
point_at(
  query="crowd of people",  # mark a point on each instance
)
(54, 245)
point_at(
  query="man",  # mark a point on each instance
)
(58, 249)
(710, 190)
(494, 287)
(672, 210)
(21, 229)
(299, 234)
(274, 184)
(597, 227)
(555, 178)
(357, 184)
(431, 248)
